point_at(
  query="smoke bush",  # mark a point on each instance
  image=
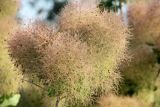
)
(136, 17)
(106, 45)
(60, 61)
(142, 72)
(79, 61)
(25, 48)
(9, 79)
(9, 75)
(7, 7)
(67, 61)
(144, 22)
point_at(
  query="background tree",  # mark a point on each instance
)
(111, 5)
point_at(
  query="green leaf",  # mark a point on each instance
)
(10, 101)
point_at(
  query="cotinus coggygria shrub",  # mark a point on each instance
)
(78, 62)
(142, 74)
(10, 77)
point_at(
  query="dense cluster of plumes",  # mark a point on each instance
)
(152, 22)
(142, 73)
(26, 47)
(90, 27)
(117, 101)
(67, 61)
(136, 15)
(77, 63)
(143, 17)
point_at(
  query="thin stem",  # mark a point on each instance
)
(34, 84)
(115, 5)
(57, 101)
(157, 75)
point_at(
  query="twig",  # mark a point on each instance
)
(34, 84)
(157, 75)
(57, 101)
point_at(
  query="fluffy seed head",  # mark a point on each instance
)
(145, 21)
(78, 62)
(68, 68)
(25, 47)
(104, 33)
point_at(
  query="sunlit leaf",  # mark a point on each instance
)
(10, 101)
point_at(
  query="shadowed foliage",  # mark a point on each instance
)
(117, 101)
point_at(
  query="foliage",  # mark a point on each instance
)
(31, 95)
(11, 100)
(111, 5)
